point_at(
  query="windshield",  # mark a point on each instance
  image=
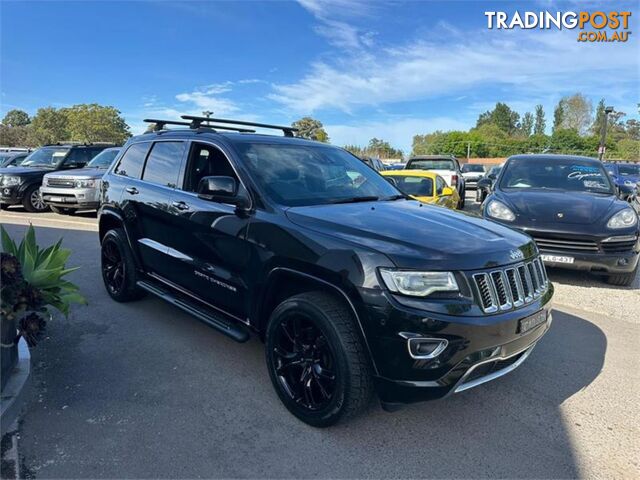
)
(468, 167)
(45, 157)
(552, 173)
(431, 164)
(626, 170)
(104, 159)
(295, 175)
(416, 186)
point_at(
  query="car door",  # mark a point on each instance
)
(152, 171)
(208, 252)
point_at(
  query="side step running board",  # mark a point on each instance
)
(203, 314)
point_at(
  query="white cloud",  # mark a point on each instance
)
(207, 98)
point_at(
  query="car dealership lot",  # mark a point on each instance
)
(143, 390)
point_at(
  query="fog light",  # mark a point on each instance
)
(6, 191)
(422, 348)
(622, 262)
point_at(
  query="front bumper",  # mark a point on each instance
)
(611, 263)
(479, 349)
(11, 195)
(71, 197)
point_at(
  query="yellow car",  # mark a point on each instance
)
(425, 186)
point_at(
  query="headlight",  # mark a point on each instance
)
(418, 284)
(499, 210)
(85, 183)
(9, 181)
(623, 219)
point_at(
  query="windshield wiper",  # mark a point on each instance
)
(396, 197)
(370, 198)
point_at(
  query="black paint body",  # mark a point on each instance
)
(243, 263)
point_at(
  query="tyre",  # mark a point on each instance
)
(4, 206)
(461, 202)
(623, 279)
(316, 359)
(62, 211)
(32, 201)
(118, 268)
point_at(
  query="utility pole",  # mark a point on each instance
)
(207, 113)
(603, 137)
(468, 151)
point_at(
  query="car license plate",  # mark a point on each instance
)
(56, 199)
(556, 259)
(532, 321)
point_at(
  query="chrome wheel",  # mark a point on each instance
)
(36, 200)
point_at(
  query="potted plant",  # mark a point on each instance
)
(32, 281)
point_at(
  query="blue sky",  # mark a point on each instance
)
(364, 68)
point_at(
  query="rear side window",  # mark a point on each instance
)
(163, 164)
(132, 161)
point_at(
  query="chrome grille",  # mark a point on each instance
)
(511, 287)
(60, 182)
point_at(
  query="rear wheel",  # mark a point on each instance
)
(623, 279)
(316, 360)
(118, 268)
(32, 201)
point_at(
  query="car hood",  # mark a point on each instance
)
(417, 236)
(79, 173)
(544, 207)
(18, 171)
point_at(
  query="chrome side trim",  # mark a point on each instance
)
(462, 386)
(160, 247)
(409, 337)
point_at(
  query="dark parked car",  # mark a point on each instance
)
(352, 286)
(21, 185)
(447, 166)
(12, 159)
(472, 172)
(570, 207)
(485, 184)
(626, 176)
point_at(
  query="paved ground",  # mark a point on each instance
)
(143, 390)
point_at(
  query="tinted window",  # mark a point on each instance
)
(417, 186)
(303, 175)
(104, 158)
(206, 161)
(163, 164)
(431, 164)
(131, 163)
(78, 157)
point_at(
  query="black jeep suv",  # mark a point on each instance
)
(21, 184)
(353, 287)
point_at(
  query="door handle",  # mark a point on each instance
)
(180, 205)
(132, 190)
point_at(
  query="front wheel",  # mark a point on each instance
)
(316, 359)
(32, 201)
(623, 279)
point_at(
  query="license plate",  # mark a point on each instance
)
(532, 321)
(556, 259)
(56, 199)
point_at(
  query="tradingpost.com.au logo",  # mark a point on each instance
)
(595, 26)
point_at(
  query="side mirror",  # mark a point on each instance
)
(446, 191)
(221, 189)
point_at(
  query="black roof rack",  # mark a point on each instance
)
(160, 124)
(78, 144)
(197, 121)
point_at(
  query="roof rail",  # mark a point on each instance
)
(197, 121)
(160, 124)
(78, 144)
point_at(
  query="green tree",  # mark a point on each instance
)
(576, 113)
(502, 116)
(599, 119)
(16, 118)
(49, 125)
(15, 136)
(540, 123)
(558, 117)
(527, 124)
(96, 123)
(311, 128)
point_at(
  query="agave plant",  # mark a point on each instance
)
(43, 270)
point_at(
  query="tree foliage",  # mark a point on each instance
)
(96, 123)
(16, 118)
(527, 124)
(576, 113)
(502, 116)
(49, 125)
(540, 122)
(311, 128)
(376, 148)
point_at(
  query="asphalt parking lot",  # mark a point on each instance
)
(143, 390)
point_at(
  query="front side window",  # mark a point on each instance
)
(296, 175)
(49, 157)
(555, 174)
(440, 184)
(629, 170)
(431, 164)
(163, 164)
(131, 163)
(416, 186)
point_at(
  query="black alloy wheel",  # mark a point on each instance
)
(118, 267)
(113, 268)
(304, 363)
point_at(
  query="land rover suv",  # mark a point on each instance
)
(353, 287)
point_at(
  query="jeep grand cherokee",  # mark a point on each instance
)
(353, 287)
